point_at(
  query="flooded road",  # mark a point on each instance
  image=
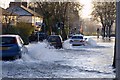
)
(73, 62)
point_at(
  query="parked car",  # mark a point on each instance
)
(42, 36)
(33, 38)
(77, 40)
(70, 35)
(12, 47)
(55, 40)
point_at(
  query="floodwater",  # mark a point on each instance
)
(92, 61)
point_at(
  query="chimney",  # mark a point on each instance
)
(15, 4)
(18, 4)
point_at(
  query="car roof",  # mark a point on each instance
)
(78, 35)
(9, 35)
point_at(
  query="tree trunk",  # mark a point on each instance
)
(103, 32)
(64, 36)
(109, 35)
(114, 62)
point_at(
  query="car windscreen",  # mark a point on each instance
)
(54, 39)
(8, 40)
(77, 37)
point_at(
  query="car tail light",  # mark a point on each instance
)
(59, 43)
(71, 41)
(81, 41)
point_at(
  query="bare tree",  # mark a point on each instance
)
(56, 13)
(105, 12)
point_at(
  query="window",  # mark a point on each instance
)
(77, 37)
(8, 40)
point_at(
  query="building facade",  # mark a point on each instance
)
(25, 14)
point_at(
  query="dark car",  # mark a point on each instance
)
(33, 38)
(37, 36)
(56, 41)
(12, 47)
(42, 36)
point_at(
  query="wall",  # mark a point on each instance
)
(27, 19)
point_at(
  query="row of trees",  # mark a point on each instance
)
(105, 12)
(58, 17)
(62, 17)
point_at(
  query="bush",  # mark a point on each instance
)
(8, 29)
(22, 29)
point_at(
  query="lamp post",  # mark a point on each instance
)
(38, 33)
(59, 30)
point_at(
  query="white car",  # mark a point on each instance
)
(77, 40)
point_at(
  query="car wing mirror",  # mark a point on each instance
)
(25, 43)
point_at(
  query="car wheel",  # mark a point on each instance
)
(20, 56)
(17, 57)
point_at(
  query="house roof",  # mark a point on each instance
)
(23, 11)
(7, 13)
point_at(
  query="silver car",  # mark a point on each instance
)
(77, 40)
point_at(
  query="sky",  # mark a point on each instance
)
(87, 8)
(5, 3)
